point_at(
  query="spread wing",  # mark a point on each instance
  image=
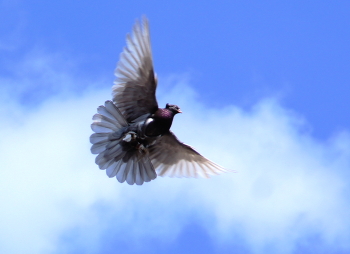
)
(135, 87)
(170, 157)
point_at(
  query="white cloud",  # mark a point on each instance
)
(288, 187)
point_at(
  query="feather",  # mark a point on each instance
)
(103, 111)
(130, 174)
(98, 137)
(123, 170)
(100, 128)
(112, 169)
(98, 147)
(113, 110)
(138, 176)
(104, 119)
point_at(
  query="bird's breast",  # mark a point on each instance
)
(159, 124)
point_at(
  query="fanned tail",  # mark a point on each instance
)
(117, 148)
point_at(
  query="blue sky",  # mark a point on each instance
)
(264, 89)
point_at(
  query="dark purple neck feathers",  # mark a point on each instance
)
(164, 114)
(163, 118)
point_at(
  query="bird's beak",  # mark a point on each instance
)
(179, 111)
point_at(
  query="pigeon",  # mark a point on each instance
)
(132, 138)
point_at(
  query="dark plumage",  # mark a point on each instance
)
(132, 134)
(161, 121)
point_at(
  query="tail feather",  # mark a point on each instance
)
(103, 111)
(101, 160)
(138, 176)
(120, 158)
(113, 168)
(115, 153)
(131, 172)
(107, 121)
(143, 174)
(112, 144)
(106, 164)
(98, 137)
(100, 128)
(121, 174)
(111, 108)
(99, 147)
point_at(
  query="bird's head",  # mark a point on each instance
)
(174, 108)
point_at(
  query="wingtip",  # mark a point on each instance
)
(144, 19)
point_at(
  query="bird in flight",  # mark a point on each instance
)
(132, 138)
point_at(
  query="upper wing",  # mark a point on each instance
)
(135, 87)
(170, 157)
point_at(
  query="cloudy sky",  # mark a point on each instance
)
(264, 88)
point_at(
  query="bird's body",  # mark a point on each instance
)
(132, 134)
